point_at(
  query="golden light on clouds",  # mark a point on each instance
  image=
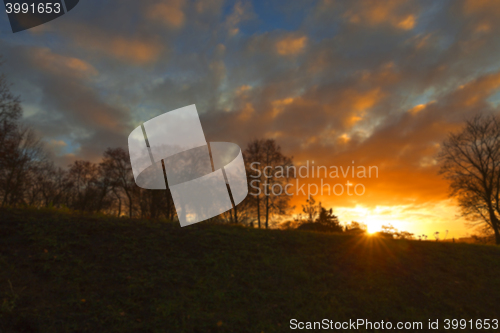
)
(63, 65)
(375, 13)
(483, 27)
(357, 103)
(482, 6)
(242, 89)
(417, 108)
(279, 105)
(354, 119)
(247, 112)
(408, 23)
(344, 138)
(129, 49)
(134, 50)
(168, 13)
(291, 45)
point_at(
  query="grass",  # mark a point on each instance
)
(64, 272)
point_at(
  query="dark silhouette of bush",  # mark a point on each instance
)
(318, 218)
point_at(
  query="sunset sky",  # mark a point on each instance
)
(380, 83)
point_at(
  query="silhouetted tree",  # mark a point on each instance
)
(117, 162)
(54, 186)
(268, 172)
(471, 162)
(318, 218)
(20, 150)
(310, 209)
(83, 177)
(329, 220)
(388, 231)
(356, 227)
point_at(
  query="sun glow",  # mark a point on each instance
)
(374, 226)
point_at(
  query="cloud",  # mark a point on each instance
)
(69, 112)
(131, 49)
(242, 11)
(490, 7)
(291, 45)
(168, 12)
(123, 32)
(63, 65)
(398, 14)
(56, 146)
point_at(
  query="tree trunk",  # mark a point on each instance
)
(258, 210)
(267, 211)
(119, 206)
(129, 197)
(495, 224)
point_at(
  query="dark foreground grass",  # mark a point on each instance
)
(61, 272)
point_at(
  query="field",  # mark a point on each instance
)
(65, 272)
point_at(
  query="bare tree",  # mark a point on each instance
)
(243, 213)
(10, 107)
(269, 171)
(117, 163)
(253, 154)
(471, 162)
(22, 153)
(54, 186)
(83, 177)
(310, 209)
(10, 112)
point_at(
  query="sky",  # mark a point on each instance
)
(340, 83)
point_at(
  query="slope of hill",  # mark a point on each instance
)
(64, 272)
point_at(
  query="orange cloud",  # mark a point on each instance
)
(417, 108)
(291, 45)
(279, 105)
(247, 112)
(134, 50)
(355, 104)
(476, 91)
(241, 90)
(482, 6)
(382, 12)
(408, 23)
(386, 74)
(62, 65)
(167, 12)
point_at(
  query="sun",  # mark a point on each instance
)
(373, 226)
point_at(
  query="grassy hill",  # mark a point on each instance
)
(64, 272)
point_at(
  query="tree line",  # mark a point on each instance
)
(470, 161)
(28, 177)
